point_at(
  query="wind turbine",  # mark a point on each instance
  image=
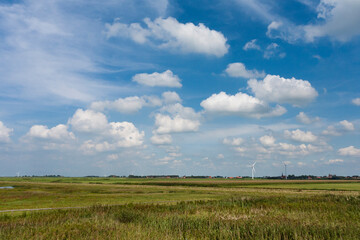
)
(285, 165)
(253, 170)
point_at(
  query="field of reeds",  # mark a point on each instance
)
(105, 208)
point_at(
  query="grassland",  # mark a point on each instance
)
(179, 209)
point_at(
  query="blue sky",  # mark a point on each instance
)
(179, 87)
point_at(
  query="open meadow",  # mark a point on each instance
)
(122, 208)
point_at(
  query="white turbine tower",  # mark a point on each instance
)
(253, 170)
(285, 170)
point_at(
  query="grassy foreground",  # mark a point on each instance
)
(180, 211)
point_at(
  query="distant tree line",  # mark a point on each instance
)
(41, 176)
(289, 177)
(304, 177)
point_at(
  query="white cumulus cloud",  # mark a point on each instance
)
(128, 104)
(240, 149)
(339, 129)
(125, 134)
(116, 135)
(267, 141)
(105, 136)
(335, 161)
(233, 141)
(88, 121)
(240, 104)
(166, 124)
(300, 136)
(356, 101)
(171, 97)
(161, 139)
(181, 119)
(349, 151)
(282, 90)
(170, 34)
(331, 131)
(346, 125)
(59, 132)
(5, 133)
(180, 110)
(291, 150)
(287, 147)
(133, 31)
(165, 79)
(239, 70)
(303, 118)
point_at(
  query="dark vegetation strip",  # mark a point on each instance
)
(63, 208)
(233, 184)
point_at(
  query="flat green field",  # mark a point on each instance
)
(114, 208)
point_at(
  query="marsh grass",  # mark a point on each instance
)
(180, 210)
(238, 217)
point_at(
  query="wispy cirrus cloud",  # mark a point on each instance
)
(336, 19)
(48, 48)
(252, 45)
